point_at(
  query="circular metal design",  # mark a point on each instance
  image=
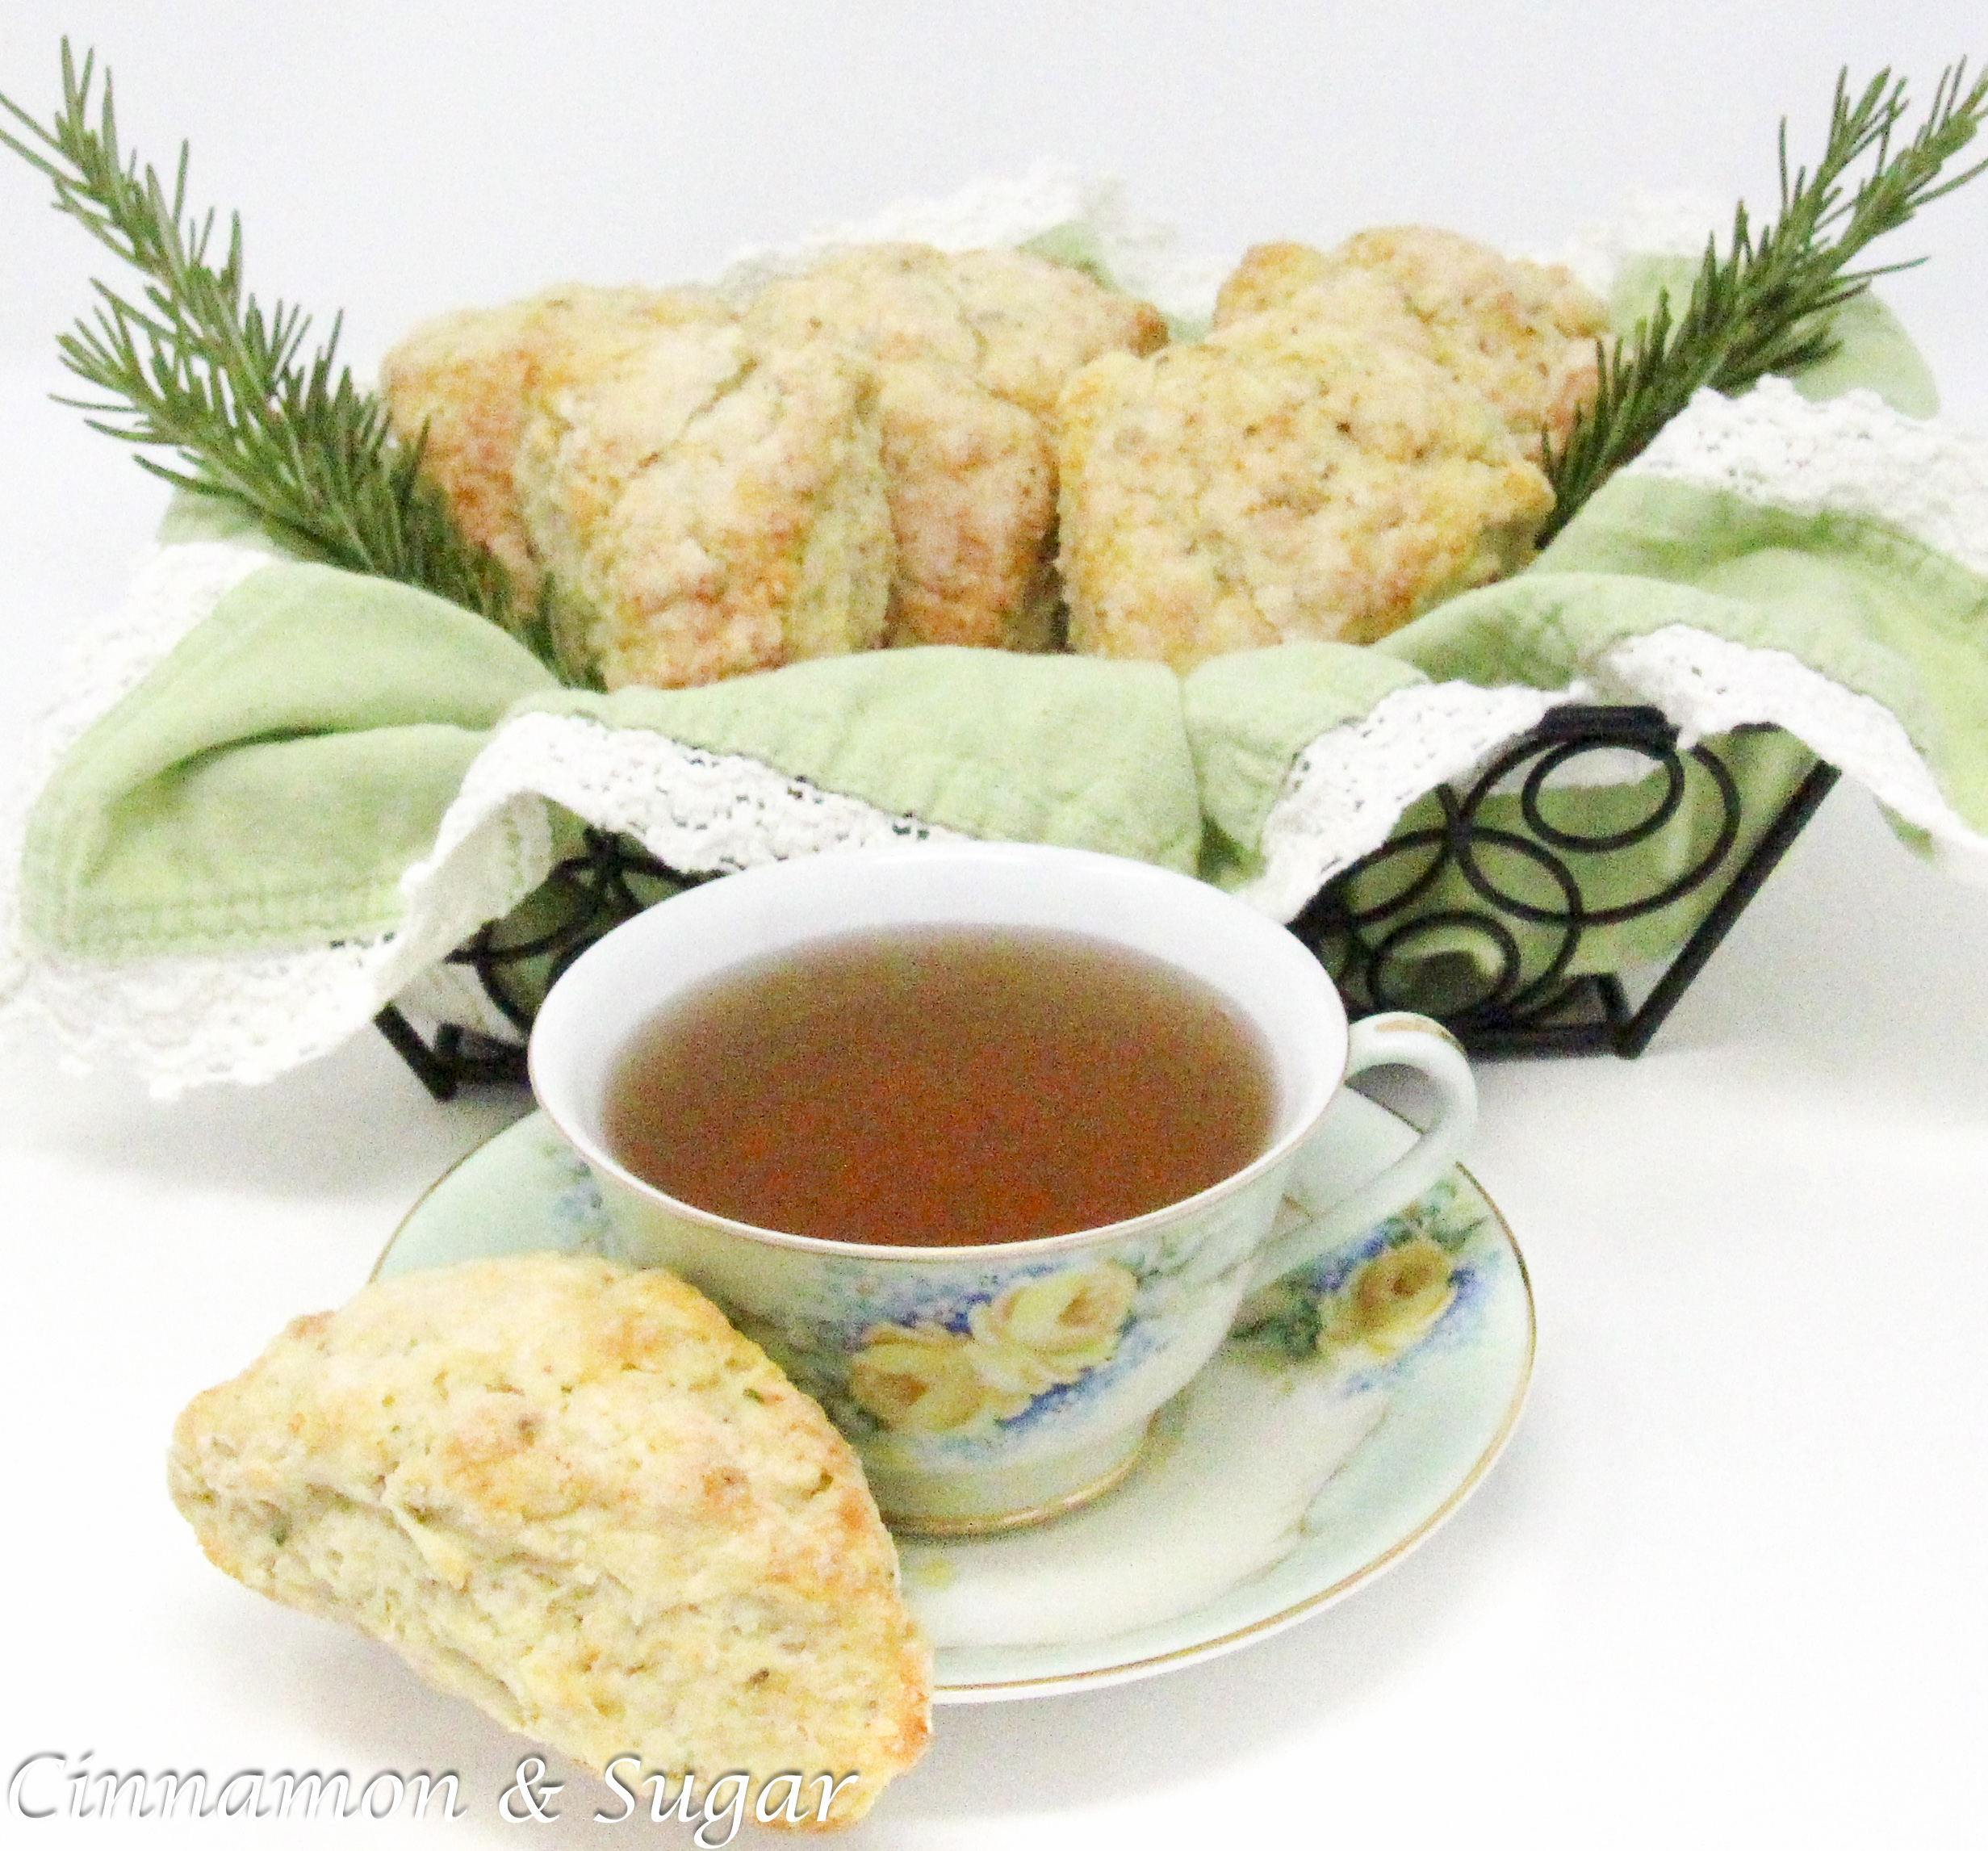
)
(585, 896)
(1490, 962)
(1672, 766)
(1394, 948)
(1469, 838)
(518, 958)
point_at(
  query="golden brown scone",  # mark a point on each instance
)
(1523, 334)
(708, 504)
(474, 380)
(573, 1494)
(972, 350)
(700, 506)
(1284, 479)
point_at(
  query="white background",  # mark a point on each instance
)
(1726, 1587)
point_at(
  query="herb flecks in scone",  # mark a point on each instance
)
(1520, 335)
(971, 350)
(688, 501)
(573, 1494)
(1285, 479)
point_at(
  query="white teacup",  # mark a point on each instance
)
(991, 1385)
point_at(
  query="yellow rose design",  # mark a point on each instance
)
(1008, 1368)
(1033, 1338)
(1069, 1321)
(1392, 1301)
(922, 1380)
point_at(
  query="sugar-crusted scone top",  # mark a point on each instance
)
(1520, 335)
(908, 446)
(573, 1494)
(864, 455)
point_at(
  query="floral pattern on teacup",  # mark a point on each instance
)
(1371, 1303)
(1041, 1334)
(575, 1209)
(1392, 1302)
(1068, 1321)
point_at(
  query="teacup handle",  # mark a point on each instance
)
(1402, 1040)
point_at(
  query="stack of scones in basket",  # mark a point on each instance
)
(989, 448)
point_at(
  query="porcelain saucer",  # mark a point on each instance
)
(1358, 1405)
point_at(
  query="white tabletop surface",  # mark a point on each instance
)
(1726, 1586)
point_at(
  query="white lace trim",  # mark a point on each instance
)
(1349, 788)
(1707, 685)
(704, 812)
(1848, 455)
(185, 1021)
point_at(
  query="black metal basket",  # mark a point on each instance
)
(1521, 900)
(1481, 909)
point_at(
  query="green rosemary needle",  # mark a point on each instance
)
(195, 365)
(1764, 307)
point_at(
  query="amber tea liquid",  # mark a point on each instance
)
(942, 1086)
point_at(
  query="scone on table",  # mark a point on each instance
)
(572, 1494)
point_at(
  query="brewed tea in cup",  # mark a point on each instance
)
(942, 1086)
(983, 1143)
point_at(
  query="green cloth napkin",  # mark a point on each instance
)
(271, 780)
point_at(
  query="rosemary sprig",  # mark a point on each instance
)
(1764, 307)
(196, 366)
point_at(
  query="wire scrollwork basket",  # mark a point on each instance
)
(1504, 905)
(1501, 908)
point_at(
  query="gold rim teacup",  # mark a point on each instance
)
(990, 1386)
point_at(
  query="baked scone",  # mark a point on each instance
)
(689, 505)
(1284, 479)
(972, 350)
(473, 380)
(573, 1494)
(707, 504)
(1522, 334)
